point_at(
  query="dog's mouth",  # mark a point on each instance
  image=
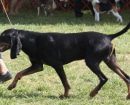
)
(4, 47)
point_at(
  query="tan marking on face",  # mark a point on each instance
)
(4, 46)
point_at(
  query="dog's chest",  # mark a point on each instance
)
(105, 6)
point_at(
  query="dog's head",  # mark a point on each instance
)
(10, 39)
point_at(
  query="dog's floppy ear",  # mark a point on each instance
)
(16, 45)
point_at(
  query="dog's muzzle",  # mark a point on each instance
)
(4, 47)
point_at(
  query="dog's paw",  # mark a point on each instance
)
(93, 93)
(128, 97)
(63, 96)
(10, 87)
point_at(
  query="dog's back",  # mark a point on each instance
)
(68, 47)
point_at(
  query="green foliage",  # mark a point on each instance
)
(44, 88)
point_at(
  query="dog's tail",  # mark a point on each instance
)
(124, 30)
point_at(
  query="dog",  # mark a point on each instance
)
(57, 49)
(48, 6)
(100, 6)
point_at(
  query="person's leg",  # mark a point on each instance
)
(12, 7)
(4, 73)
(77, 8)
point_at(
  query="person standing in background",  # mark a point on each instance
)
(77, 8)
(15, 5)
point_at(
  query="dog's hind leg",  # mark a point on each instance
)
(94, 67)
(97, 15)
(30, 70)
(111, 62)
(63, 78)
(117, 15)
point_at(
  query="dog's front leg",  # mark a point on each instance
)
(63, 78)
(96, 11)
(30, 70)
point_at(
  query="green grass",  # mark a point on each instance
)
(43, 88)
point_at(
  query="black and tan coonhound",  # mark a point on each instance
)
(57, 49)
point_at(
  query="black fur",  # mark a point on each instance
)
(57, 49)
(106, 5)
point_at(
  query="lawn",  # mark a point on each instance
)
(44, 88)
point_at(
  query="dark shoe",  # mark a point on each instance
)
(5, 77)
(79, 14)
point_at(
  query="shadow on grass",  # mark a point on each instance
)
(27, 95)
(61, 17)
(31, 95)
